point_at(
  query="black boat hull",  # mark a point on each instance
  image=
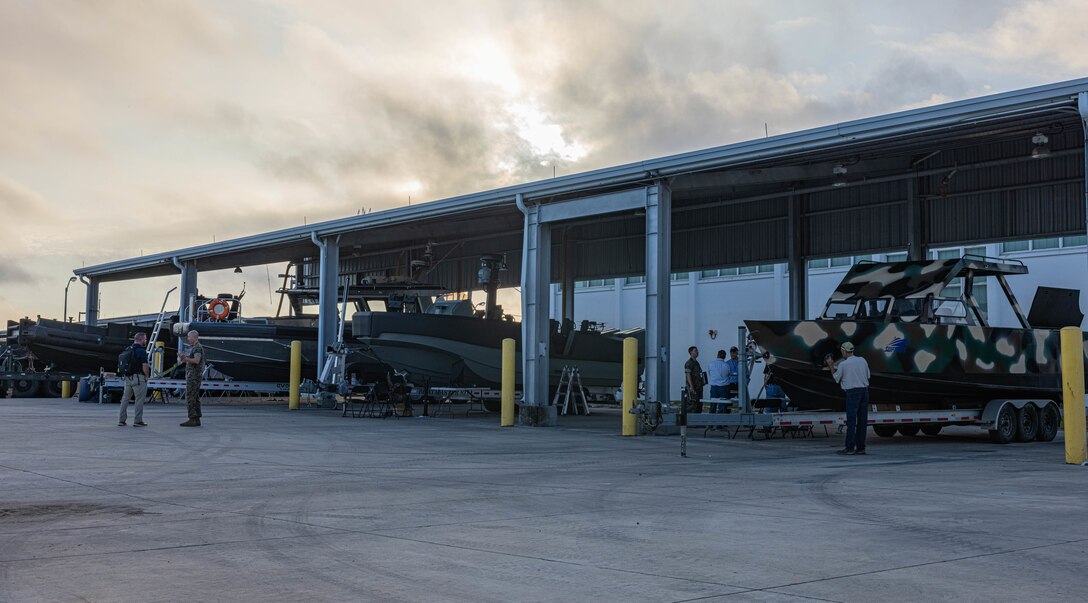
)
(443, 350)
(78, 348)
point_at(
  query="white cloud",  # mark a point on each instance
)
(1026, 37)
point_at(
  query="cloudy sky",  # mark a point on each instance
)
(132, 127)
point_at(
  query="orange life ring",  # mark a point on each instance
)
(218, 308)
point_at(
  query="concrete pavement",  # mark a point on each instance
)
(262, 504)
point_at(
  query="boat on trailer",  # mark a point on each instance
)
(926, 349)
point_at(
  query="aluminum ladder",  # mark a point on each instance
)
(573, 392)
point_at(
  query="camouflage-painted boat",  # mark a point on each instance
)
(926, 349)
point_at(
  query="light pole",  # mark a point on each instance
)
(71, 280)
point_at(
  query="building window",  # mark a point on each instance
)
(1041, 244)
(635, 280)
(605, 282)
(679, 276)
(1012, 246)
(735, 271)
(895, 257)
(842, 261)
(823, 263)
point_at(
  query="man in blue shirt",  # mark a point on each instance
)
(135, 376)
(718, 374)
(732, 377)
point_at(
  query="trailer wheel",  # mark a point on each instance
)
(931, 430)
(24, 388)
(50, 389)
(1027, 423)
(1005, 431)
(884, 431)
(1050, 420)
(910, 430)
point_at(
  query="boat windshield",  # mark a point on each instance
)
(950, 311)
(865, 309)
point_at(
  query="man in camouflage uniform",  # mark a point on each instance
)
(194, 371)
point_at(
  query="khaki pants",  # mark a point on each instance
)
(135, 386)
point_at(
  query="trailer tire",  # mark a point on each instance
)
(4, 385)
(24, 388)
(1027, 423)
(1050, 420)
(50, 389)
(884, 431)
(910, 430)
(1005, 431)
(931, 430)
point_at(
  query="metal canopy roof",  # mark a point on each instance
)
(967, 160)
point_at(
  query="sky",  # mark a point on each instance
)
(130, 128)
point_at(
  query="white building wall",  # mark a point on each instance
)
(722, 303)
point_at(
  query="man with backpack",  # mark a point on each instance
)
(134, 369)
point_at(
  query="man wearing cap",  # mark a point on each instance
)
(852, 374)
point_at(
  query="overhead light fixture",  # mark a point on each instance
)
(942, 188)
(237, 270)
(1042, 146)
(839, 171)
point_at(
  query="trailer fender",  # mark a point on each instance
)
(993, 409)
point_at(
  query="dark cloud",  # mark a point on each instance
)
(12, 274)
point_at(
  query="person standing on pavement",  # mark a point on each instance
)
(717, 373)
(194, 372)
(693, 375)
(135, 375)
(732, 376)
(852, 374)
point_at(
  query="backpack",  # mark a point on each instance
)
(126, 362)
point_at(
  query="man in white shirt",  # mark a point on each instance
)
(852, 374)
(718, 373)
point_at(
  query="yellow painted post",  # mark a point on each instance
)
(296, 375)
(160, 353)
(1073, 389)
(509, 357)
(630, 385)
(65, 389)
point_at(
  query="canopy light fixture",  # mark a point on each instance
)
(237, 270)
(839, 171)
(1042, 146)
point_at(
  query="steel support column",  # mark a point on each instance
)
(535, 308)
(91, 316)
(658, 269)
(567, 285)
(917, 248)
(188, 291)
(798, 269)
(327, 294)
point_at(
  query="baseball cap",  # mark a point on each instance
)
(848, 347)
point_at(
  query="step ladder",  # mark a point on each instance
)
(570, 388)
(152, 351)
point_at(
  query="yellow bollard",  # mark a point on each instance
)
(1073, 389)
(65, 389)
(509, 358)
(296, 375)
(630, 385)
(160, 353)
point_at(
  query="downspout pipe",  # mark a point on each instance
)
(1082, 108)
